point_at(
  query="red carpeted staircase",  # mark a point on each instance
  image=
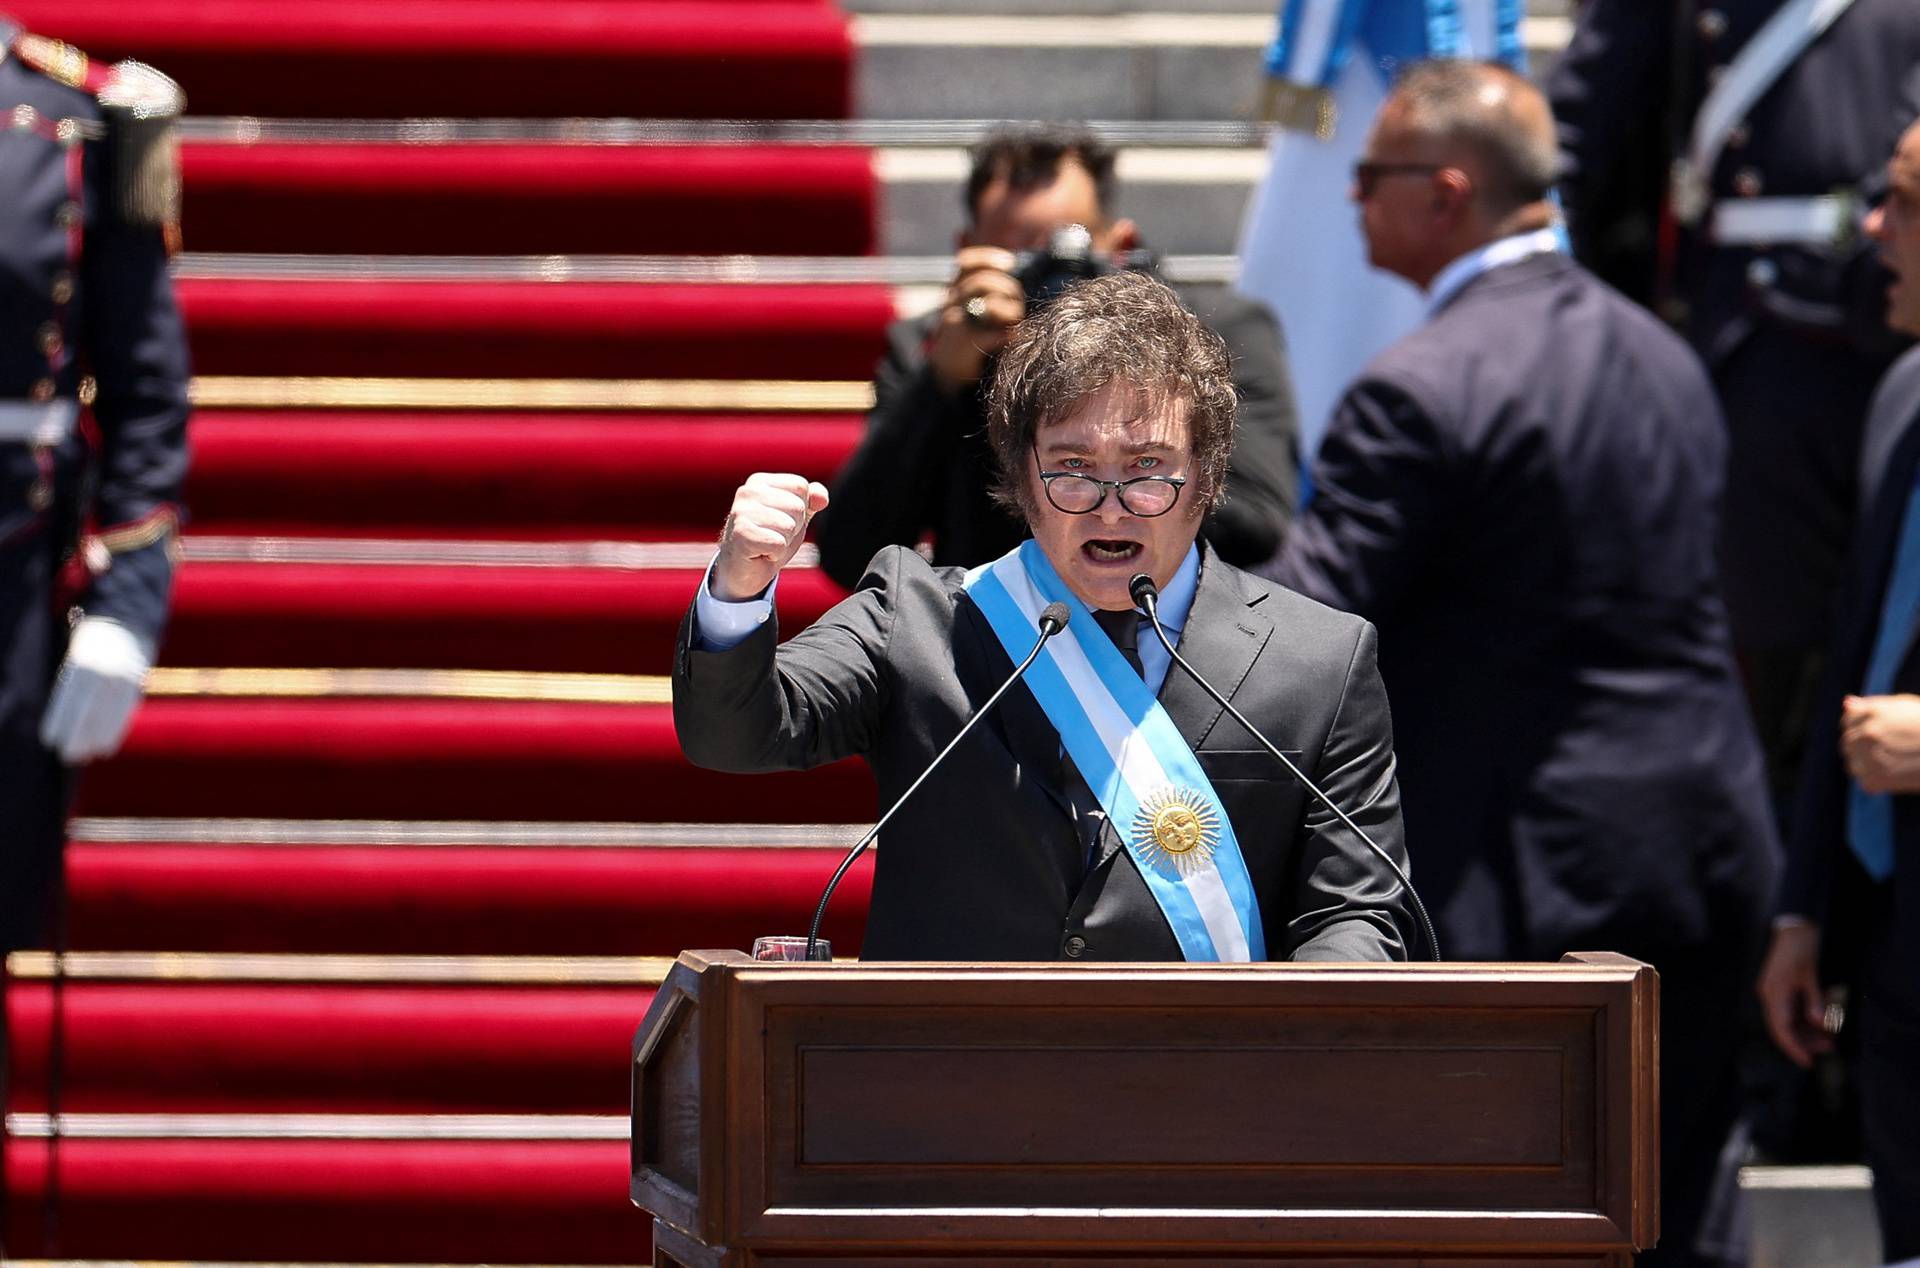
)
(355, 328)
(491, 59)
(492, 198)
(365, 914)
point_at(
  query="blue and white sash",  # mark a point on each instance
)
(1132, 756)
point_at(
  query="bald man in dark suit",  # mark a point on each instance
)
(1521, 495)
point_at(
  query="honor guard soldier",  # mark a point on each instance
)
(93, 416)
(1715, 153)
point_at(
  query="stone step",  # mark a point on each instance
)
(1811, 1217)
(1161, 65)
(1104, 8)
(1187, 200)
(1187, 183)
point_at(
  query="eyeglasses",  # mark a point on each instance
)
(1076, 494)
(1367, 174)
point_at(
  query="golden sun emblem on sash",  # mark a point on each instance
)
(1176, 828)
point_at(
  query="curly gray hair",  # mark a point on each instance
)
(1124, 327)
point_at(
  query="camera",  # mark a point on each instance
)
(1069, 258)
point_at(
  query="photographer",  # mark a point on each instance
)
(1037, 202)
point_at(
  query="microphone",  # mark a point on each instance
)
(1146, 596)
(1053, 619)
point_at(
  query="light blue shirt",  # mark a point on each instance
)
(1175, 602)
(720, 625)
(1508, 250)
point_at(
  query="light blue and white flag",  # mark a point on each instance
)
(1132, 756)
(1300, 246)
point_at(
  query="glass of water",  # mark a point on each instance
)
(790, 948)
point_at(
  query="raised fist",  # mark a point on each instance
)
(765, 527)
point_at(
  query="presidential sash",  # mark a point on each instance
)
(1132, 756)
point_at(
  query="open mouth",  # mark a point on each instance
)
(1108, 552)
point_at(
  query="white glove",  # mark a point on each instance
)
(96, 692)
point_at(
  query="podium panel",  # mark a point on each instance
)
(1124, 1114)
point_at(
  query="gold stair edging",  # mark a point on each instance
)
(217, 966)
(326, 392)
(177, 682)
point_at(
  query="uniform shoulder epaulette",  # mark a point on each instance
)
(60, 62)
(139, 106)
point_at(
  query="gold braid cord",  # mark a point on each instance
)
(57, 61)
(155, 526)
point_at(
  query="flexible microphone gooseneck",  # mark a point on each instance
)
(1146, 595)
(1053, 619)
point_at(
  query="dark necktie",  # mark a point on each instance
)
(1124, 629)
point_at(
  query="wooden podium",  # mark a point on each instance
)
(873, 1115)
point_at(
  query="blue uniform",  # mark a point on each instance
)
(93, 407)
(1792, 327)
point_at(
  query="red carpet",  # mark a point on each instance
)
(338, 1201)
(569, 479)
(491, 476)
(453, 900)
(286, 1048)
(442, 759)
(579, 620)
(487, 199)
(371, 59)
(534, 329)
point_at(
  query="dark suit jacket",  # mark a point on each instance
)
(924, 465)
(1521, 495)
(984, 863)
(1823, 882)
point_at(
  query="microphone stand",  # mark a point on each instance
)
(1052, 620)
(1147, 595)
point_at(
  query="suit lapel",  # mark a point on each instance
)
(1884, 530)
(1222, 638)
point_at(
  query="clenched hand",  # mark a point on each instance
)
(1880, 740)
(764, 529)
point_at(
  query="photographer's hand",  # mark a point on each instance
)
(983, 304)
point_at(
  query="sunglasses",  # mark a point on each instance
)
(1368, 174)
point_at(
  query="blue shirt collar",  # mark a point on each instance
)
(1508, 250)
(1176, 598)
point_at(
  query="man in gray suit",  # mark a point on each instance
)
(1107, 809)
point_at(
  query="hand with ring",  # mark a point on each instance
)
(984, 302)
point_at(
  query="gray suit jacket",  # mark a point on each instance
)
(984, 863)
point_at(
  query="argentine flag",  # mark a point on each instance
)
(1300, 246)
